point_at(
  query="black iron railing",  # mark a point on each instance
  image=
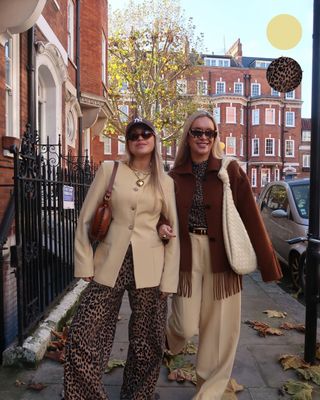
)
(47, 184)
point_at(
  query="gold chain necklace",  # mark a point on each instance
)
(140, 181)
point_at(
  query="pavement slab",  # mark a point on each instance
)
(256, 365)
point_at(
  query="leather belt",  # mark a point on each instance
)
(198, 231)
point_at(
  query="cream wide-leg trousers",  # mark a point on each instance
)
(216, 321)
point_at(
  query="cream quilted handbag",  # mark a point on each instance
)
(240, 252)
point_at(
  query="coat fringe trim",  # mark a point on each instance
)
(225, 284)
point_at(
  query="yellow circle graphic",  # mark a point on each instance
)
(284, 31)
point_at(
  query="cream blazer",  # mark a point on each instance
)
(135, 212)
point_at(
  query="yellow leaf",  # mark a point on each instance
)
(114, 364)
(311, 373)
(190, 348)
(292, 361)
(299, 390)
(232, 388)
(275, 314)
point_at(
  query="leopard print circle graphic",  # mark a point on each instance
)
(284, 74)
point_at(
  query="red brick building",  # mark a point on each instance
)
(304, 148)
(259, 126)
(53, 63)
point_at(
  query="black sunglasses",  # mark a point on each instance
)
(197, 133)
(135, 136)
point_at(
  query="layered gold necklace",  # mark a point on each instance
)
(140, 175)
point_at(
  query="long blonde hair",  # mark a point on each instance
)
(157, 173)
(183, 153)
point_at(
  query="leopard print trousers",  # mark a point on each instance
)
(92, 333)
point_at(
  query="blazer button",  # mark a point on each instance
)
(133, 208)
(135, 189)
(130, 227)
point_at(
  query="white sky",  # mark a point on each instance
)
(224, 21)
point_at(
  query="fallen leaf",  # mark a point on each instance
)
(180, 369)
(36, 386)
(292, 361)
(58, 355)
(311, 373)
(275, 314)
(114, 364)
(264, 329)
(299, 390)
(19, 383)
(298, 327)
(190, 348)
(232, 388)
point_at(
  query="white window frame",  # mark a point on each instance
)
(107, 145)
(70, 29)
(71, 122)
(12, 86)
(255, 144)
(124, 112)
(275, 93)
(241, 145)
(289, 145)
(306, 160)
(202, 87)
(306, 136)
(217, 114)
(255, 87)
(277, 174)
(290, 95)
(256, 116)
(169, 150)
(121, 145)
(272, 112)
(103, 59)
(290, 119)
(231, 119)
(267, 145)
(238, 88)
(279, 118)
(241, 116)
(182, 87)
(254, 177)
(265, 173)
(279, 147)
(232, 145)
(223, 87)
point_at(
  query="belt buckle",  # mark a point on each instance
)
(200, 231)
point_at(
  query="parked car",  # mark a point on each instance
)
(284, 206)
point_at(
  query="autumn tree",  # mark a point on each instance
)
(152, 49)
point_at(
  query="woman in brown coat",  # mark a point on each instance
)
(208, 302)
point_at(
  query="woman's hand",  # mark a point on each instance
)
(165, 232)
(164, 295)
(88, 279)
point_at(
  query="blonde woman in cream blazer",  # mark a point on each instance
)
(132, 258)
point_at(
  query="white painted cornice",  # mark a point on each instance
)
(17, 16)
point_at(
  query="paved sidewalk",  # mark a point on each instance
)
(256, 366)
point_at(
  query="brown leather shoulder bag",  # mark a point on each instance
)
(102, 218)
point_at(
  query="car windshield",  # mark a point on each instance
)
(301, 198)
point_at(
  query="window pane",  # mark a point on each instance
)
(301, 198)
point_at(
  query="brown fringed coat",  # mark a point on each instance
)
(226, 282)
